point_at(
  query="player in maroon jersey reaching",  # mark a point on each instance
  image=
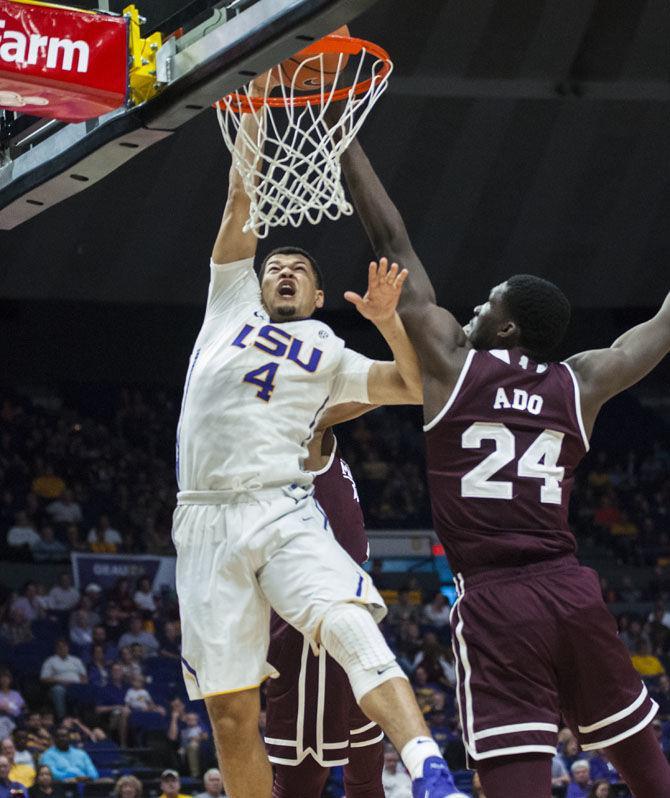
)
(313, 720)
(505, 430)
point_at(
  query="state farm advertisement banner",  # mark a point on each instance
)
(61, 63)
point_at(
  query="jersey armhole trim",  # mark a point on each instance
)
(578, 406)
(231, 264)
(454, 393)
(328, 465)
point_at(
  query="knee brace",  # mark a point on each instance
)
(352, 638)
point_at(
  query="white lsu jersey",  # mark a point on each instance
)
(255, 389)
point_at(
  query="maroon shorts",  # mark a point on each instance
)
(537, 644)
(311, 710)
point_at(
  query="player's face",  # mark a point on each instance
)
(483, 329)
(289, 289)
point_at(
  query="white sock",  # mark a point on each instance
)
(415, 753)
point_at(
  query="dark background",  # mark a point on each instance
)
(517, 135)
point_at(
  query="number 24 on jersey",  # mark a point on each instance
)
(539, 461)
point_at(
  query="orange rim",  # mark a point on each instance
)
(242, 104)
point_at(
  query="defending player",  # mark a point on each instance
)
(505, 430)
(247, 530)
(313, 720)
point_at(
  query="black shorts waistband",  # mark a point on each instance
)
(465, 581)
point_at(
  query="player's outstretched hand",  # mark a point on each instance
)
(384, 288)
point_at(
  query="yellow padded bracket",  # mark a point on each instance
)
(142, 73)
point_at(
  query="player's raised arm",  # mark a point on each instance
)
(232, 243)
(437, 336)
(397, 381)
(603, 373)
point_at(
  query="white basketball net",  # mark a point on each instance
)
(291, 166)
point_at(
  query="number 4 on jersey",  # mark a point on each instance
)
(538, 462)
(266, 383)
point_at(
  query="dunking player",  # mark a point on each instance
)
(313, 720)
(247, 530)
(505, 430)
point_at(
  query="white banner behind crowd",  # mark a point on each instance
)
(106, 569)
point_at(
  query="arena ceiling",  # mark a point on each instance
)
(518, 135)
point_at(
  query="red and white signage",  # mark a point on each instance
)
(61, 63)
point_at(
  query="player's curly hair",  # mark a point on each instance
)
(318, 275)
(541, 311)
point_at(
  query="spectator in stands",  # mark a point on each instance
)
(424, 690)
(122, 597)
(657, 726)
(403, 610)
(131, 667)
(16, 629)
(73, 537)
(559, 773)
(57, 672)
(407, 645)
(64, 596)
(44, 786)
(42, 598)
(645, 662)
(213, 784)
(661, 694)
(171, 784)
(437, 612)
(65, 510)
(581, 780)
(601, 768)
(128, 787)
(436, 661)
(138, 635)
(170, 641)
(28, 603)
(47, 485)
(23, 772)
(87, 605)
(111, 701)
(48, 549)
(190, 737)
(39, 738)
(81, 629)
(23, 535)
(395, 779)
(144, 596)
(571, 752)
(607, 513)
(98, 673)
(601, 789)
(103, 538)
(138, 698)
(22, 755)
(113, 622)
(624, 533)
(8, 787)
(11, 701)
(68, 764)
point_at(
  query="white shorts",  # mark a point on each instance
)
(264, 549)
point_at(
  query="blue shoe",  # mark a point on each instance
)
(436, 782)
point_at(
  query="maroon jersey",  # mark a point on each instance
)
(501, 458)
(336, 492)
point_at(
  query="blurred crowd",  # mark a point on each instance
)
(90, 686)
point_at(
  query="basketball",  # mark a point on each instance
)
(310, 74)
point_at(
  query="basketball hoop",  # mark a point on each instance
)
(291, 168)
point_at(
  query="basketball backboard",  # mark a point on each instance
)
(218, 47)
